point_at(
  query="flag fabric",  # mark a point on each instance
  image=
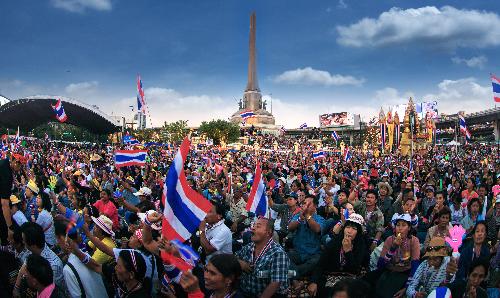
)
(335, 136)
(382, 135)
(59, 110)
(464, 129)
(411, 166)
(496, 87)
(396, 134)
(347, 155)
(257, 200)
(303, 126)
(187, 253)
(319, 155)
(124, 158)
(184, 207)
(141, 101)
(130, 140)
(246, 114)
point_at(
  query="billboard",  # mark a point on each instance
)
(336, 119)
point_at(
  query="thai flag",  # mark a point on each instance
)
(130, 140)
(124, 158)
(141, 101)
(59, 110)
(282, 129)
(184, 207)
(257, 200)
(303, 126)
(319, 155)
(464, 129)
(347, 155)
(411, 166)
(335, 136)
(496, 87)
(246, 114)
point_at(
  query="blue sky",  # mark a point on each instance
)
(313, 56)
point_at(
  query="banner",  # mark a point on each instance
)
(336, 119)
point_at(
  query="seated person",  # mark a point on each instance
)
(471, 287)
(437, 268)
(349, 245)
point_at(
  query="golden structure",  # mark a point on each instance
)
(417, 133)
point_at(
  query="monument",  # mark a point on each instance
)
(252, 98)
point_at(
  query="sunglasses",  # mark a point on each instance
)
(435, 248)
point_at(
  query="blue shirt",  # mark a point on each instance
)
(306, 241)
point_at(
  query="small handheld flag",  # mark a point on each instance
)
(257, 200)
(59, 110)
(319, 155)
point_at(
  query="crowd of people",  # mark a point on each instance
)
(75, 225)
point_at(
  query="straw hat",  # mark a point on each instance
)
(104, 223)
(385, 184)
(95, 157)
(14, 200)
(436, 248)
(32, 186)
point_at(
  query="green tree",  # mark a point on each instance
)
(176, 131)
(220, 131)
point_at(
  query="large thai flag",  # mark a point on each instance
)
(496, 87)
(184, 207)
(124, 158)
(463, 128)
(59, 110)
(257, 200)
(141, 101)
(335, 136)
(247, 114)
(319, 155)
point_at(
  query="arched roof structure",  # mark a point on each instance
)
(33, 111)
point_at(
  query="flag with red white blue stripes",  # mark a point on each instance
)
(60, 113)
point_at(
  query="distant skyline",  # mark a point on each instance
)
(312, 58)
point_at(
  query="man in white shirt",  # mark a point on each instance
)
(215, 236)
(77, 276)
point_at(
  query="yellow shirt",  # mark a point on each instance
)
(98, 255)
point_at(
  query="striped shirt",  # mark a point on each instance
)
(427, 278)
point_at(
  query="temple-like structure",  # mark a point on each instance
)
(252, 98)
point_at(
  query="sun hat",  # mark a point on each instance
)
(396, 217)
(104, 223)
(32, 186)
(356, 218)
(144, 191)
(95, 157)
(14, 200)
(154, 226)
(436, 248)
(387, 185)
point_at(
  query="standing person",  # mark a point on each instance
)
(7, 169)
(264, 263)
(80, 280)
(215, 236)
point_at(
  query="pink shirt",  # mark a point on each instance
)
(108, 209)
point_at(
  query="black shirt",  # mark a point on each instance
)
(6, 179)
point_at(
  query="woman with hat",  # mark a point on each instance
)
(344, 253)
(398, 260)
(104, 232)
(437, 268)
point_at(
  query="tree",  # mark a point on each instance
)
(220, 131)
(176, 131)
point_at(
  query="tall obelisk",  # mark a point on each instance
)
(252, 98)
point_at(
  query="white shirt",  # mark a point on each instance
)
(220, 238)
(46, 221)
(91, 280)
(19, 218)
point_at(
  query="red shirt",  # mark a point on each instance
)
(108, 209)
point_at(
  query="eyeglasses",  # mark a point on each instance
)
(435, 248)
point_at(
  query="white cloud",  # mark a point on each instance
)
(461, 95)
(478, 61)
(310, 76)
(390, 97)
(170, 105)
(82, 5)
(446, 27)
(83, 87)
(342, 4)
